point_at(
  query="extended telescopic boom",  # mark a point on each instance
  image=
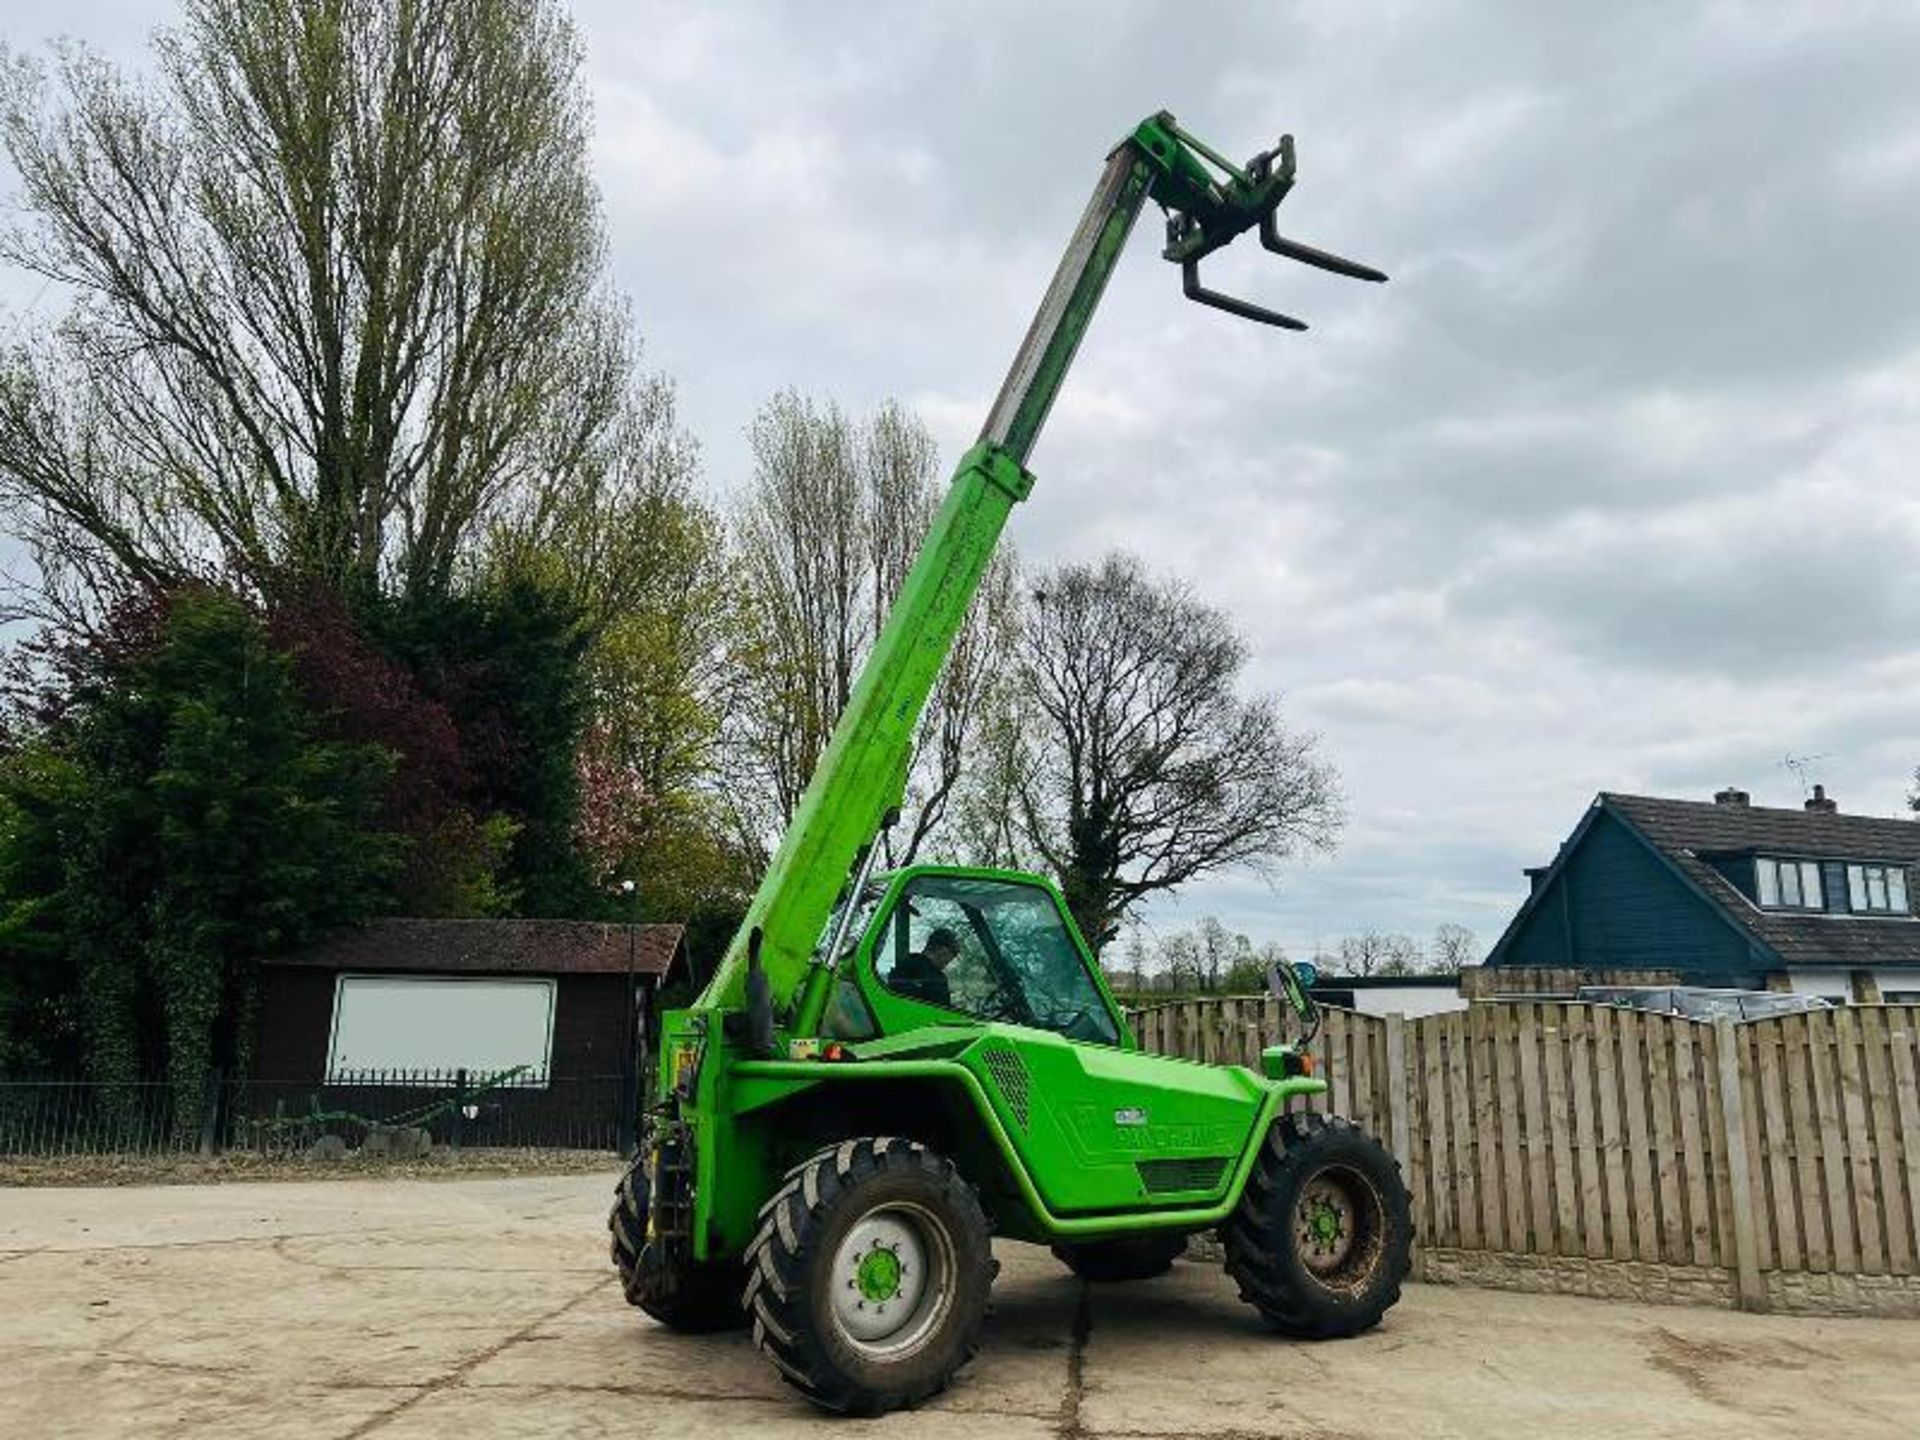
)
(862, 773)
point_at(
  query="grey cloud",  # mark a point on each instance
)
(1612, 486)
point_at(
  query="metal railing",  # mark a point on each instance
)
(47, 1117)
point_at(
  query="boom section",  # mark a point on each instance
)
(862, 773)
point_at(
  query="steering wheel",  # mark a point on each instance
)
(1005, 1002)
(1077, 1026)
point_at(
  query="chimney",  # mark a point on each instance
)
(1731, 796)
(1820, 804)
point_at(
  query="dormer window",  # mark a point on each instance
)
(1877, 889)
(1790, 885)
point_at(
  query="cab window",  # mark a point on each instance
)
(993, 950)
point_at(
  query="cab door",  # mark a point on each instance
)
(985, 946)
(1099, 1126)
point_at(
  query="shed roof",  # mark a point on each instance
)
(1687, 830)
(495, 947)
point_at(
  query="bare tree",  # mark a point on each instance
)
(1454, 946)
(1132, 764)
(1374, 952)
(823, 542)
(1225, 955)
(1209, 957)
(1132, 974)
(337, 299)
(1183, 962)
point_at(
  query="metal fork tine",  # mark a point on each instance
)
(1246, 310)
(1273, 240)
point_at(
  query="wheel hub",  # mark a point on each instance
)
(1325, 1222)
(889, 1280)
(878, 1275)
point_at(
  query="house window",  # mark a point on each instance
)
(1790, 885)
(1877, 889)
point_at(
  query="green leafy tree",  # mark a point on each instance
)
(1247, 974)
(658, 683)
(200, 827)
(40, 1030)
(507, 661)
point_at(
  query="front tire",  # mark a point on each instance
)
(1323, 1235)
(691, 1296)
(1130, 1257)
(868, 1279)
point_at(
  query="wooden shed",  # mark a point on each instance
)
(424, 1005)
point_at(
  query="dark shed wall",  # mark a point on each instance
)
(1615, 905)
(590, 1025)
(296, 1021)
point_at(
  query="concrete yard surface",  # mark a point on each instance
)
(486, 1308)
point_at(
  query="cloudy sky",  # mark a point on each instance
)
(1616, 485)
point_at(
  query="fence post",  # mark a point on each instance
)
(1750, 1292)
(1399, 1133)
(459, 1108)
(1399, 1123)
(211, 1093)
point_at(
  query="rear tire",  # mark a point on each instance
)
(688, 1295)
(868, 1279)
(1323, 1235)
(1130, 1257)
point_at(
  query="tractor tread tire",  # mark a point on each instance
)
(1261, 1252)
(693, 1297)
(799, 1228)
(1126, 1257)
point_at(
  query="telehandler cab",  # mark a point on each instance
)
(886, 1069)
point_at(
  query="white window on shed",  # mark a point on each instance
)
(390, 1026)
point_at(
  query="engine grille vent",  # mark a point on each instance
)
(1164, 1177)
(1009, 1074)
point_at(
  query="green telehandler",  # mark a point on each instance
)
(886, 1069)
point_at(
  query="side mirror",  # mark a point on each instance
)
(1289, 985)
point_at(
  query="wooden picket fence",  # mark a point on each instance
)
(1787, 1146)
